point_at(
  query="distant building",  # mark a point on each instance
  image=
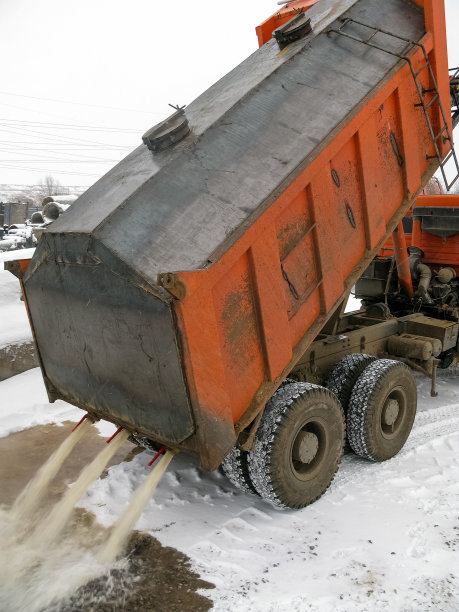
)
(13, 212)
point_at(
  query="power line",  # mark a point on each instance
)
(40, 170)
(70, 126)
(35, 110)
(58, 147)
(14, 186)
(61, 161)
(22, 131)
(70, 156)
(132, 110)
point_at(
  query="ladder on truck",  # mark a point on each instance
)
(444, 132)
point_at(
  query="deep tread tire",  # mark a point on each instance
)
(368, 435)
(344, 375)
(235, 468)
(294, 408)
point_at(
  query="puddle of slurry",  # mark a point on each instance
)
(150, 577)
(153, 578)
(23, 452)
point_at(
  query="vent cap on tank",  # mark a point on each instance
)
(168, 132)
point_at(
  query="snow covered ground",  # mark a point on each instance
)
(14, 324)
(384, 536)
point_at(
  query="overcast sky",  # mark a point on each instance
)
(82, 80)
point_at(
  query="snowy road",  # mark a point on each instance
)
(383, 537)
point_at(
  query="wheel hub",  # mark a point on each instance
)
(391, 411)
(306, 447)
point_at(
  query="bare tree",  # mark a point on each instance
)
(22, 195)
(50, 186)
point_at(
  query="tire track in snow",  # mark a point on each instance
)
(429, 426)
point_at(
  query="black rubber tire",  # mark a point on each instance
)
(368, 435)
(275, 474)
(235, 468)
(344, 375)
(287, 381)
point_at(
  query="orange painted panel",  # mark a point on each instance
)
(372, 196)
(299, 266)
(301, 275)
(271, 303)
(202, 353)
(294, 223)
(305, 316)
(412, 125)
(238, 331)
(390, 160)
(320, 196)
(437, 252)
(344, 170)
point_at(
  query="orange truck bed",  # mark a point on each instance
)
(439, 248)
(180, 290)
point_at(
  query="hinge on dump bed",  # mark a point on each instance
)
(432, 92)
(173, 285)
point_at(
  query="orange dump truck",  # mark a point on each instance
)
(180, 295)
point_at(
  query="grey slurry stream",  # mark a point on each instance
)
(78, 571)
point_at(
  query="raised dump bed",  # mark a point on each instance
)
(180, 290)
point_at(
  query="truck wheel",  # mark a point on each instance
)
(381, 410)
(235, 468)
(298, 445)
(344, 375)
